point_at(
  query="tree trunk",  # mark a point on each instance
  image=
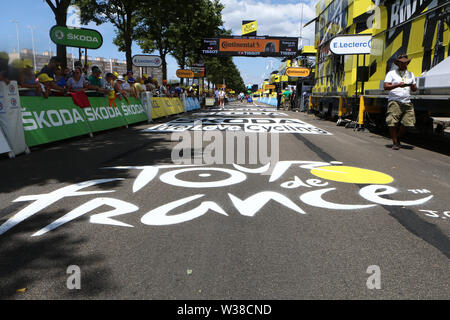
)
(128, 53)
(61, 20)
(164, 66)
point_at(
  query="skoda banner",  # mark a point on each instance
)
(75, 37)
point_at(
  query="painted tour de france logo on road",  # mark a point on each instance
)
(304, 185)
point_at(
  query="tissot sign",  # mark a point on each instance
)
(147, 61)
(354, 44)
(250, 46)
(74, 37)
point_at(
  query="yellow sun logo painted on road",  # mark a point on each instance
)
(351, 175)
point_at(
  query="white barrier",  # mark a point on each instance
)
(4, 145)
(11, 117)
(147, 103)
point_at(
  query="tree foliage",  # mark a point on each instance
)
(121, 13)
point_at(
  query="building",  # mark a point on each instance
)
(106, 65)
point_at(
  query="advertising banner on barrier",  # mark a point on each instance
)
(57, 118)
(133, 111)
(162, 107)
(53, 119)
(11, 117)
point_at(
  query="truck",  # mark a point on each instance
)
(349, 88)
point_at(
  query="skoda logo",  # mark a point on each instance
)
(14, 102)
(12, 89)
(59, 34)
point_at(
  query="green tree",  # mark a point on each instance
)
(157, 26)
(121, 13)
(59, 8)
(195, 20)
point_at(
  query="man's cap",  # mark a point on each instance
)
(129, 71)
(109, 75)
(120, 78)
(115, 73)
(96, 69)
(145, 75)
(43, 77)
(402, 58)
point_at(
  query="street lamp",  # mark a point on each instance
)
(17, 31)
(32, 28)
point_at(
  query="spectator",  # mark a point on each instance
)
(47, 77)
(149, 85)
(132, 84)
(118, 87)
(144, 78)
(130, 76)
(27, 79)
(59, 78)
(77, 82)
(163, 89)
(96, 82)
(109, 86)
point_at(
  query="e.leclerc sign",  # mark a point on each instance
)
(75, 37)
(141, 60)
(355, 44)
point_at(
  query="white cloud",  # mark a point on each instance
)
(274, 19)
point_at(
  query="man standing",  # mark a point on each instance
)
(400, 110)
(287, 98)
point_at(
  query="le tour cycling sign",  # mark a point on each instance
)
(76, 37)
(354, 44)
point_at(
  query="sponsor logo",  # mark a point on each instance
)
(12, 89)
(59, 34)
(80, 37)
(14, 102)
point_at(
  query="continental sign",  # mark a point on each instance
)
(74, 37)
(297, 72)
(250, 46)
(185, 73)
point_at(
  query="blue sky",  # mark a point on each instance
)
(275, 18)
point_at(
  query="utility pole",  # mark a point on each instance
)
(32, 28)
(301, 26)
(17, 31)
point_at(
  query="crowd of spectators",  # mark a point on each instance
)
(55, 80)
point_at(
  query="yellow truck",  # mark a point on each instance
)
(418, 28)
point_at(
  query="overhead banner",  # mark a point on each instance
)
(250, 46)
(352, 44)
(76, 37)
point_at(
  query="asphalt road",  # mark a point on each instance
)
(336, 207)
